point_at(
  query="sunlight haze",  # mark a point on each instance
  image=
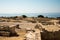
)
(29, 6)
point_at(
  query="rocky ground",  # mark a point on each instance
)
(24, 25)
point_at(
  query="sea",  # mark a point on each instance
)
(30, 14)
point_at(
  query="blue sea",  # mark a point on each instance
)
(30, 14)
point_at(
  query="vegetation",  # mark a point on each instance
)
(24, 16)
(40, 16)
(58, 18)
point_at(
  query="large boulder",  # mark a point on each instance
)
(7, 31)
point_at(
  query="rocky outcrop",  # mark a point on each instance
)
(7, 31)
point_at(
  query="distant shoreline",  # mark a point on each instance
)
(30, 14)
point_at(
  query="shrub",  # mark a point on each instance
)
(40, 16)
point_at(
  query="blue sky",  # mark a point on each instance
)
(29, 6)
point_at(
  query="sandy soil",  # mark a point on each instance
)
(22, 32)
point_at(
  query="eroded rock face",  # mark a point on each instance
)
(30, 35)
(46, 35)
(7, 31)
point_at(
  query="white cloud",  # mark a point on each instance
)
(29, 10)
(7, 11)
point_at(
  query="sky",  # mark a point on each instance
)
(29, 6)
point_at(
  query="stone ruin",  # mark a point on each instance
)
(33, 34)
(46, 35)
(30, 35)
(8, 31)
